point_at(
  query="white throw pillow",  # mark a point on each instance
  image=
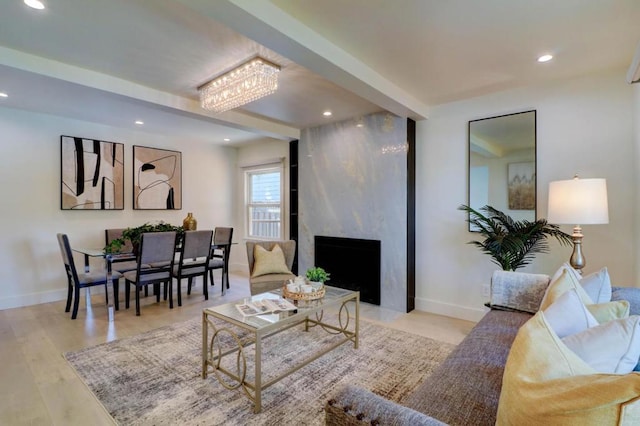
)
(598, 286)
(612, 347)
(568, 315)
(572, 272)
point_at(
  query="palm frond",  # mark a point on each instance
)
(512, 244)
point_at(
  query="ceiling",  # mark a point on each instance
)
(118, 61)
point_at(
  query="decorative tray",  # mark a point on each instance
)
(316, 294)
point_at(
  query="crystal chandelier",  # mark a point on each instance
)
(246, 83)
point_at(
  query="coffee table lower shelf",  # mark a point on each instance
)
(213, 354)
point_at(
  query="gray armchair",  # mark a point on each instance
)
(264, 283)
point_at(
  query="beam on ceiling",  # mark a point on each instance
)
(140, 94)
(268, 25)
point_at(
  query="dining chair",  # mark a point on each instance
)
(220, 252)
(157, 249)
(194, 258)
(125, 264)
(120, 265)
(77, 280)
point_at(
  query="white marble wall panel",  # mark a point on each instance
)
(353, 184)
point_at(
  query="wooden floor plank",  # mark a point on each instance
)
(38, 386)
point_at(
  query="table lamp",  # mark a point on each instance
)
(578, 202)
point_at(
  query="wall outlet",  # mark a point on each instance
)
(486, 289)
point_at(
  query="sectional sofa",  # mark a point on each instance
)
(465, 388)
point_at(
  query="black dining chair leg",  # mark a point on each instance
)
(116, 289)
(156, 291)
(189, 282)
(205, 287)
(138, 300)
(76, 301)
(106, 292)
(146, 291)
(179, 280)
(69, 294)
(171, 294)
(211, 277)
(127, 293)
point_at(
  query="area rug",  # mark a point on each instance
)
(155, 378)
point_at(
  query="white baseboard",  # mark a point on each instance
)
(450, 310)
(33, 299)
(46, 297)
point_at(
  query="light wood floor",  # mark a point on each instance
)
(38, 387)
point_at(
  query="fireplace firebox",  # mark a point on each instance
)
(353, 264)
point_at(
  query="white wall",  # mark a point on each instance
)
(251, 155)
(32, 270)
(585, 126)
(636, 212)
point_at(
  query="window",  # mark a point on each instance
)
(264, 202)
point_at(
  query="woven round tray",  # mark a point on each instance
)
(318, 294)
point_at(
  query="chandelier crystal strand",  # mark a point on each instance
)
(247, 83)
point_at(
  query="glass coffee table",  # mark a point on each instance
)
(228, 334)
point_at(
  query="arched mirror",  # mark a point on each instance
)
(502, 164)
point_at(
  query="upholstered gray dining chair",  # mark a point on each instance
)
(77, 280)
(157, 249)
(222, 238)
(194, 260)
(120, 265)
(260, 283)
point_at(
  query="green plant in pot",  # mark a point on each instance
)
(512, 243)
(135, 234)
(316, 274)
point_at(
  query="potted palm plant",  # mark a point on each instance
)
(511, 243)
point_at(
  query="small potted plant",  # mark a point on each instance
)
(317, 276)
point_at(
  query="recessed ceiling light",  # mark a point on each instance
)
(3, 95)
(139, 122)
(36, 4)
(226, 140)
(545, 58)
(327, 113)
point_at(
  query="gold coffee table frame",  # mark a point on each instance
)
(258, 329)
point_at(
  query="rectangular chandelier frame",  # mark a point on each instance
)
(246, 83)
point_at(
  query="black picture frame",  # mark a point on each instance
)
(91, 174)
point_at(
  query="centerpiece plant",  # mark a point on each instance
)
(317, 274)
(135, 234)
(512, 244)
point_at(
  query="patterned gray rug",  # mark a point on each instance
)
(154, 378)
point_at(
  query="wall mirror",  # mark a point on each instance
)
(502, 164)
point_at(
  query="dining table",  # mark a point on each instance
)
(93, 252)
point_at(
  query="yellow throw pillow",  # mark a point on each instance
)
(268, 262)
(604, 312)
(544, 382)
(558, 286)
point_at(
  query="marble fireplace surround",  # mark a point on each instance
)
(353, 183)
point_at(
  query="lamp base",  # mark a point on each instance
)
(577, 260)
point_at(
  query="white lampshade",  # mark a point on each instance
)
(578, 202)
